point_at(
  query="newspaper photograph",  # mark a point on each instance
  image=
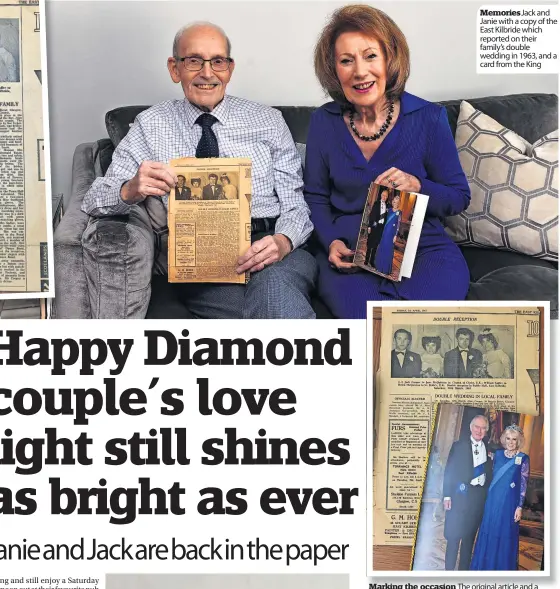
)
(209, 219)
(24, 231)
(477, 356)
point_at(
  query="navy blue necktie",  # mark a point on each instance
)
(208, 144)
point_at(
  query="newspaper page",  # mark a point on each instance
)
(23, 215)
(209, 219)
(484, 357)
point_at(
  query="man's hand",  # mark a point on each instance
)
(264, 252)
(152, 179)
(447, 504)
(337, 251)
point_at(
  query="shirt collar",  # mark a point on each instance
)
(473, 441)
(409, 103)
(221, 112)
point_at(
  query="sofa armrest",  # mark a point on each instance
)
(118, 257)
(71, 297)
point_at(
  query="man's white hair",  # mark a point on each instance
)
(480, 417)
(193, 25)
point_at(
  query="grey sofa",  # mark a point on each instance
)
(103, 267)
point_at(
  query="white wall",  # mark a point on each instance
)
(107, 54)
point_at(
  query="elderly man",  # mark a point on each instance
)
(465, 484)
(209, 123)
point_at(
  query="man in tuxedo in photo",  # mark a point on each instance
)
(466, 479)
(404, 364)
(462, 360)
(182, 191)
(213, 190)
(376, 224)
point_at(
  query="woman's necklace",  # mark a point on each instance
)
(510, 454)
(381, 131)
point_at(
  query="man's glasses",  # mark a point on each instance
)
(195, 64)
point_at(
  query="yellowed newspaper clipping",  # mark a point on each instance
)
(23, 218)
(209, 219)
(483, 357)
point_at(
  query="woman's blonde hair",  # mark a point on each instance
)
(372, 23)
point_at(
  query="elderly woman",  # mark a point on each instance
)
(375, 131)
(498, 364)
(497, 543)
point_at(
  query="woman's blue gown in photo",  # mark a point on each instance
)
(497, 543)
(385, 251)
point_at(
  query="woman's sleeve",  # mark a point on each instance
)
(317, 190)
(446, 184)
(524, 480)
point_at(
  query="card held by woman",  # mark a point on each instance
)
(390, 231)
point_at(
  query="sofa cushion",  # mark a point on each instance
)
(514, 197)
(530, 115)
(519, 283)
(517, 112)
(102, 156)
(158, 218)
(482, 261)
(118, 121)
(301, 147)
(297, 118)
(117, 258)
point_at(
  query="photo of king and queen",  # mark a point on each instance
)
(384, 230)
(482, 506)
(452, 351)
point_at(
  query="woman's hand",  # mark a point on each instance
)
(517, 516)
(396, 178)
(337, 251)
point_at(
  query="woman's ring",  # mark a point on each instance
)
(394, 183)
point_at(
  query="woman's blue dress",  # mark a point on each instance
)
(497, 543)
(337, 177)
(385, 252)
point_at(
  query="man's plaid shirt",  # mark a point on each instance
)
(244, 129)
